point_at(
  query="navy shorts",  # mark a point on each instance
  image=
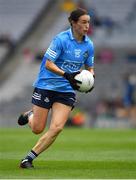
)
(46, 98)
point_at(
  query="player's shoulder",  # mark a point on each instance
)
(89, 41)
(63, 36)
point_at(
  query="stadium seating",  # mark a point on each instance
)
(16, 16)
(3, 51)
(117, 10)
(15, 19)
(60, 24)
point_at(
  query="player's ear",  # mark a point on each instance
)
(72, 22)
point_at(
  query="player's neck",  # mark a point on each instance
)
(77, 36)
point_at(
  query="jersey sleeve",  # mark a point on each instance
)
(90, 60)
(54, 50)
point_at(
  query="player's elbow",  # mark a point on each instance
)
(48, 64)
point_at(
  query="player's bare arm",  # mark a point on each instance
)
(91, 69)
(52, 67)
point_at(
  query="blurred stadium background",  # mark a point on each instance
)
(26, 29)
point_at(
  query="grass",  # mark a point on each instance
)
(76, 154)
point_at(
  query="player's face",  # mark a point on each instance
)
(82, 25)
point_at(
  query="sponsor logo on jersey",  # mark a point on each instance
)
(71, 66)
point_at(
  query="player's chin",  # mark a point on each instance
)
(85, 33)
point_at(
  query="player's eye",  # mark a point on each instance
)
(85, 22)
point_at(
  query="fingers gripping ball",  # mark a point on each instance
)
(87, 80)
(71, 78)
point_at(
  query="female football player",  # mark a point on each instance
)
(55, 85)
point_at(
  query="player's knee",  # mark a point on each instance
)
(59, 129)
(37, 130)
(56, 130)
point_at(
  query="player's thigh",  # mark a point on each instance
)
(60, 114)
(40, 115)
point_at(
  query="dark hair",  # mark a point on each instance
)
(74, 16)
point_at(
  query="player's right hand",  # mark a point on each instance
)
(70, 78)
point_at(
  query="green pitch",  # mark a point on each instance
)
(77, 153)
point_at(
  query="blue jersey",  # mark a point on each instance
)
(69, 55)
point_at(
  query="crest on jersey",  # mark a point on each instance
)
(77, 53)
